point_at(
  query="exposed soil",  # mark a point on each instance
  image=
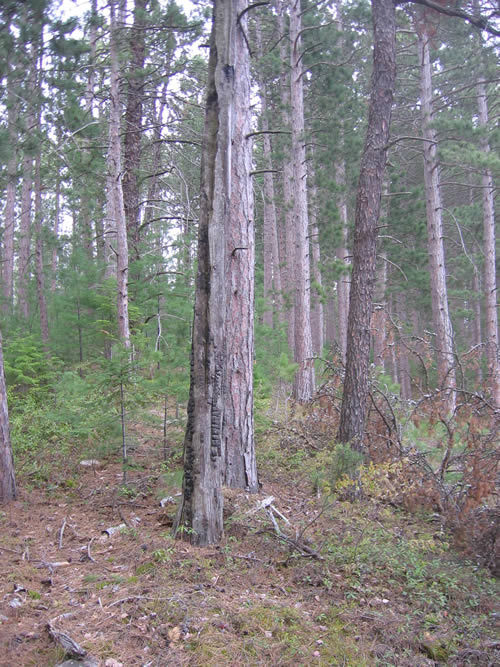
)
(138, 597)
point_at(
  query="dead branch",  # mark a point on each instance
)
(61, 533)
(69, 645)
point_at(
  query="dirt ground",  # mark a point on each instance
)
(134, 596)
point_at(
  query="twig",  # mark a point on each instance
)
(61, 533)
(88, 551)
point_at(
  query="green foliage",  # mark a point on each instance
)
(345, 462)
(29, 370)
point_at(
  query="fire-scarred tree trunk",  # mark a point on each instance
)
(435, 243)
(354, 403)
(7, 476)
(225, 243)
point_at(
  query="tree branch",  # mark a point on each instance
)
(480, 22)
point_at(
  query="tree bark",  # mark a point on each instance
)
(354, 403)
(7, 475)
(289, 268)
(10, 195)
(435, 244)
(133, 126)
(272, 271)
(304, 378)
(317, 310)
(115, 184)
(208, 450)
(240, 467)
(342, 253)
(39, 273)
(489, 243)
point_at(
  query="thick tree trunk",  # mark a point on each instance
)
(354, 403)
(304, 378)
(115, 185)
(437, 269)
(7, 476)
(240, 468)
(224, 182)
(133, 126)
(489, 242)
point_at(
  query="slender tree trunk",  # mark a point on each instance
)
(344, 282)
(489, 242)
(478, 338)
(25, 236)
(304, 378)
(379, 317)
(437, 269)
(288, 182)
(40, 278)
(7, 476)
(115, 184)
(317, 310)
(10, 196)
(354, 403)
(272, 271)
(57, 221)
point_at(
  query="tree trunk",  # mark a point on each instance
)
(317, 310)
(240, 468)
(272, 271)
(304, 378)
(379, 317)
(25, 236)
(489, 242)
(133, 126)
(40, 278)
(7, 476)
(342, 253)
(224, 187)
(437, 269)
(115, 185)
(354, 403)
(288, 183)
(10, 195)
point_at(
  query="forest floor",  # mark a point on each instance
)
(298, 580)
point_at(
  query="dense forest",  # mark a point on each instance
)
(236, 224)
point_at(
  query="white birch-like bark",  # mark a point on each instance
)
(437, 267)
